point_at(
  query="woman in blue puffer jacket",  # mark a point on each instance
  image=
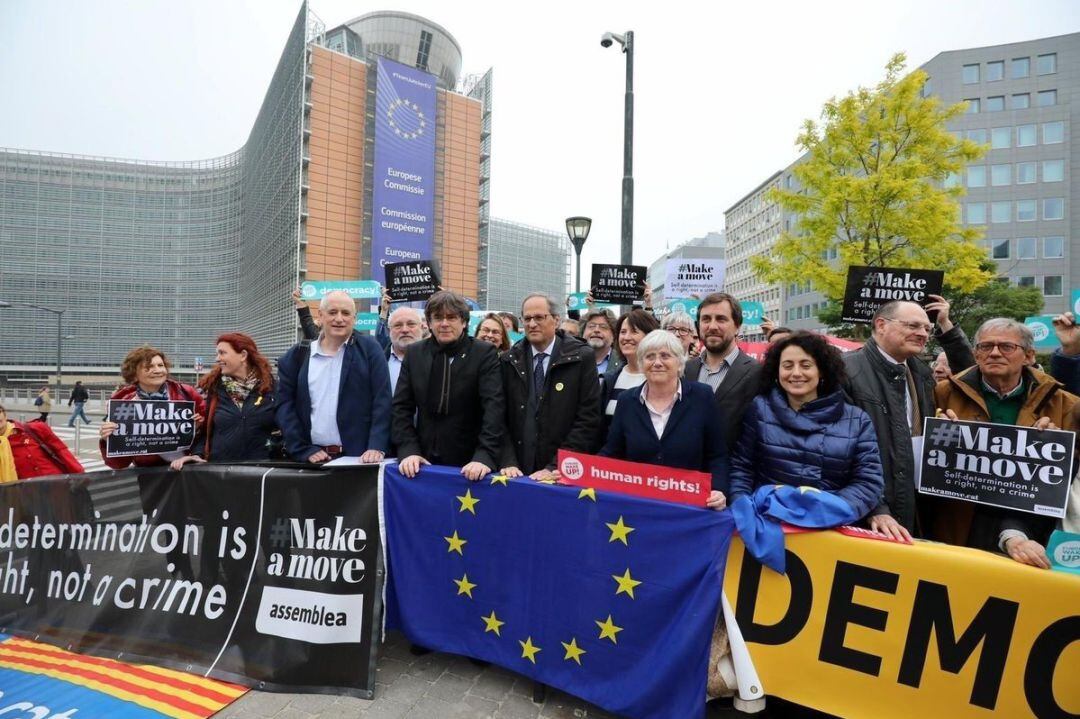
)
(799, 431)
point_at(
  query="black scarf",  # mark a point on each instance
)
(438, 399)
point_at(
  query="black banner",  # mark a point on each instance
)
(149, 426)
(871, 287)
(260, 575)
(618, 284)
(998, 464)
(408, 281)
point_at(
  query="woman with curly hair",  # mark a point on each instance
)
(239, 390)
(146, 372)
(799, 431)
(492, 330)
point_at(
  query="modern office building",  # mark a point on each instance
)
(517, 259)
(1023, 103)
(173, 253)
(709, 246)
(752, 226)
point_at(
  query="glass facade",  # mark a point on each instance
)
(166, 253)
(520, 259)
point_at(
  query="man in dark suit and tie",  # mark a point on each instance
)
(552, 394)
(448, 404)
(733, 375)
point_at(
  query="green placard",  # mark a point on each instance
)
(357, 289)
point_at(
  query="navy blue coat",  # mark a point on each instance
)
(363, 412)
(693, 436)
(1066, 370)
(828, 444)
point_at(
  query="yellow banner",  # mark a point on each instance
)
(860, 627)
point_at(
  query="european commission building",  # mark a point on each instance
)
(175, 253)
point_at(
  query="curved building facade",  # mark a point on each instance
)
(175, 253)
(411, 40)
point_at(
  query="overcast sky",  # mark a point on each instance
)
(720, 88)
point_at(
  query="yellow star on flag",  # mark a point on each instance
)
(528, 649)
(468, 502)
(626, 583)
(464, 586)
(619, 531)
(804, 489)
(573, 651)
(499, 479)
(456, 543)
(608, 630)
(492, 623)
(587, 492)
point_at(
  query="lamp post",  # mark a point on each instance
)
(59, 333)
(578, 230)
(626, 40)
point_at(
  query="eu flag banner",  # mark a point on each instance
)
(608, 597)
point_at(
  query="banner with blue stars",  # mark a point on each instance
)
(608, 597)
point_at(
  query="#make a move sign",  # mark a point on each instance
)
(868, 288)
(618, 284)
(149, 427)
(1001, 465)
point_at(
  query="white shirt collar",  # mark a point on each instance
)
(316, 349)
(729, 360)
(550, 348)
(886, 355)
(645, 391)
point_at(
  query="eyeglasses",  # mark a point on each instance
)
(681, 331)
(530, 319)
(912, 326)
(597, 326)
(1005, 348)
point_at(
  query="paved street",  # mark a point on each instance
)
(434, 686)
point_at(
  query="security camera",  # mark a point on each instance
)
(607, 39)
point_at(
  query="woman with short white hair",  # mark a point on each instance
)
(670, 420)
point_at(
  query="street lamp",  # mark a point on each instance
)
(626, 40)
(59, 332)
(578, 230)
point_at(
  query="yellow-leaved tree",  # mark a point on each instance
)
(873, 186)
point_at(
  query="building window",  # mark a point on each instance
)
(1021, 101)
(1052, 285)
(1044, 65)
(424, 50)
(976, 176)
(1027, 248)
(1054, 208)
(972, 105)
(1053, 170)
(1025, 173)
(971, 73)
(1000, 211)
(1001, 175)
(952, 179)
(1025, 211)
(1025, 281)
(976, 213)
(1025, 135)
(995, 70)
(1053, 247)
(1053, 132)
(978, 136)
(1021, 67)
(1000, 250)
(995, 103)
(1001, 138)
(1047, 98)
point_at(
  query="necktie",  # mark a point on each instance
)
(538, 375)
(916, 414)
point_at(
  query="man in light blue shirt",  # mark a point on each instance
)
(334, 394)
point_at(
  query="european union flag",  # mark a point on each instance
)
(610, 598)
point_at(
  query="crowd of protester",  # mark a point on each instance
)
(678, 392)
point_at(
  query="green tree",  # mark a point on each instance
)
(873, 187)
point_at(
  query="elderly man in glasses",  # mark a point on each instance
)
(887, 380)
(1002, 388)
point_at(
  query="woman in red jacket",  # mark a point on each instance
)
(146, 371)
(32, 450)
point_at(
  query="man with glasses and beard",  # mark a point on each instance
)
(598, 331)
(1002, 388)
